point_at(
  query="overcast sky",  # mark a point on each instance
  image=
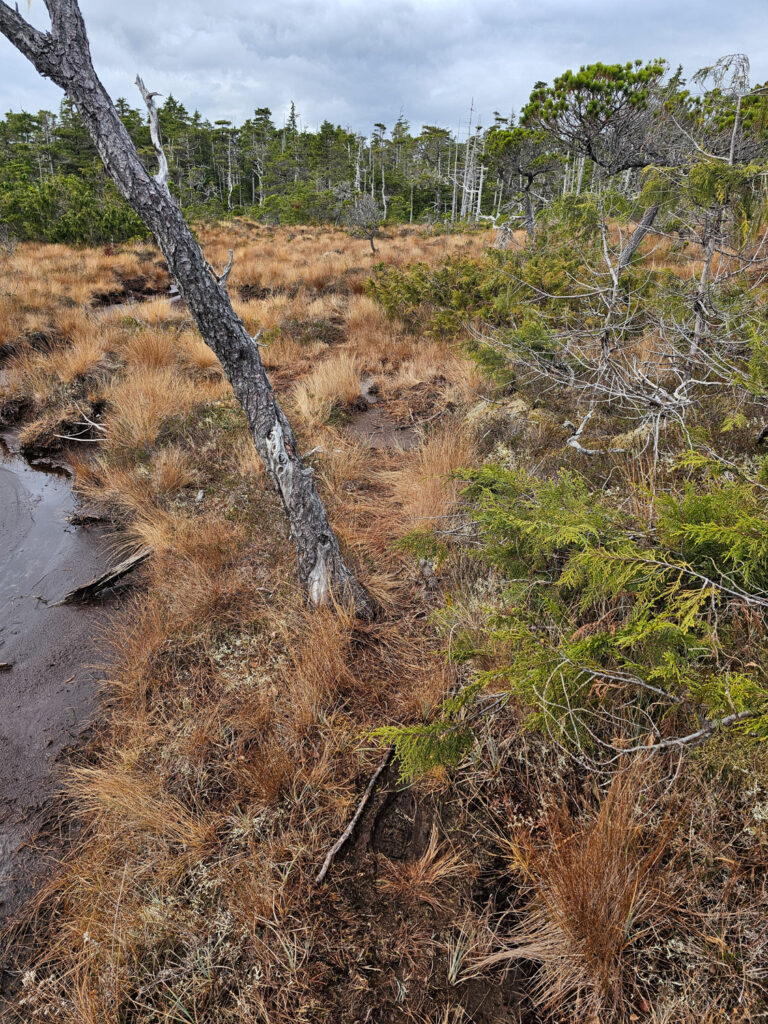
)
(356, 62)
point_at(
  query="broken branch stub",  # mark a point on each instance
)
(87, 591)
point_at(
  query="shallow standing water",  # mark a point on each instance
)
(47, 695)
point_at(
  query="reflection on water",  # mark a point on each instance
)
(34, 539)
(46, 697)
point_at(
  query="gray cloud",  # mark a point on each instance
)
(356, 62)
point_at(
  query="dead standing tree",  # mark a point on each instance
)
(63, 55)
(364, 219)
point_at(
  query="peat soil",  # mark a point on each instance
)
(48, 673)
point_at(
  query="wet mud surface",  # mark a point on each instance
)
(377, 427)
(49, 657)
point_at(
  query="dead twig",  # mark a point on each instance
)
(345, 835)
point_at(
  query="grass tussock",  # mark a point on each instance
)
(173, 469)
(425, 488)
(333, 386)
(428, 879)
(596, 895)
(138, 406)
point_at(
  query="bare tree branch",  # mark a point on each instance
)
(35, 45)
(344, 837)
(692, 739)
(149, 99)
(575, 440)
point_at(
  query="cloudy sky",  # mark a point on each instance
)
(356, 62)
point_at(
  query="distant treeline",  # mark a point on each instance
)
(53, 187)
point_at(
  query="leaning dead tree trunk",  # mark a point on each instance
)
(625, 258)
(530, 219)
(642, 229)
(63, 55)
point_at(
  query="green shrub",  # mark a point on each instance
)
(609, 635)
(80, 209)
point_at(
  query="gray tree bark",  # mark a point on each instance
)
(625, 258)
(530, 218)
(642, 229)
(63, 55)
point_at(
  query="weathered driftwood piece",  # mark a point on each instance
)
(87, 591)
(344, 837)
(63, 55)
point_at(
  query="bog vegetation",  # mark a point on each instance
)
(544, 448)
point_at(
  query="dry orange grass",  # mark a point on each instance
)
(454, 379)
(365, 318)
(126, 494)
(596, 897)
(375, 339)
(271, 312)
(76, 360)
(316, 259)
(151, 349)
(424, 488)
(248, 462)
(159, 313)
(140, 403)
(319, 666)
(172, 470)
(192, 350)
(342, 461)
(335, 383)
(54, 276)
(73, 322)
(9, 320)
(147, 810)
(288, 354)
(37, 373)
(430, 878)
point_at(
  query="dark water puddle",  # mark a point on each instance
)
(48, 682)
(33, 536)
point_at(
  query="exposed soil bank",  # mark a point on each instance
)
(48, 683)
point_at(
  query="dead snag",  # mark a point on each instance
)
(63, 55)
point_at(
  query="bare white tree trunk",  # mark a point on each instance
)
(735, 131)
(582, 161)
(455, 183)
(358, 161)
(701, 299)
(479, 211)
(465, 183)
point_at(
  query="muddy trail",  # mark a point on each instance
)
(47, 657)
(375, 425)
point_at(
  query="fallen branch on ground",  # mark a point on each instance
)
(345, 835)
